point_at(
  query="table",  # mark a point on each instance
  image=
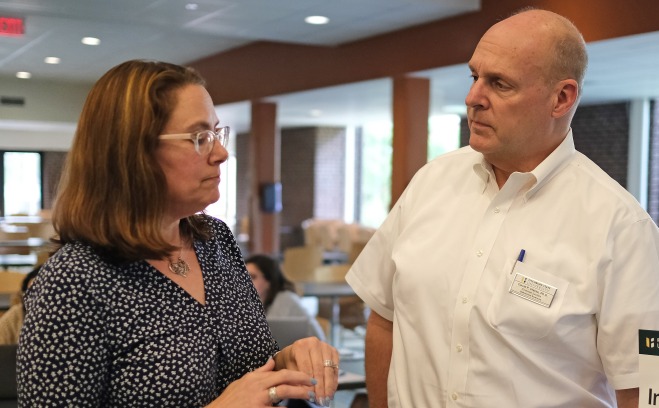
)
(334, 291)
(351, 381)
(22, 252)
(22, 244)
(8, 261)
(23, 219)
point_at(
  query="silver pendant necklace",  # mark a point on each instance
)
(179, 267)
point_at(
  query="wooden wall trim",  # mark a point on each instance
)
(263, 69)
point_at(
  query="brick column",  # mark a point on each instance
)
(411, 105)
(264, 148)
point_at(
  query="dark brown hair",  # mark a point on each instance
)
(273, 274)
(112, 194)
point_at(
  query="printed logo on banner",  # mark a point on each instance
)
(648, 368)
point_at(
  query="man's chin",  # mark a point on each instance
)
(478, 142)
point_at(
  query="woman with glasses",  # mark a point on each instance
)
(147, 302)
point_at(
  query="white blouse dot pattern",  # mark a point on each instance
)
(99, 333)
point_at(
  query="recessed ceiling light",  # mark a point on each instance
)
(91, 41)
(191, 6)
(315, 113)
(51, 60)
(23, 75)
(316, 20)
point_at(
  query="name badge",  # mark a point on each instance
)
(532, 290)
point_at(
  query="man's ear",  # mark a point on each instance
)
(566, 95)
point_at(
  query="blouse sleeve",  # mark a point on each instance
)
(63, 352)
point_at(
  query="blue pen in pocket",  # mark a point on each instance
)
(520, 258)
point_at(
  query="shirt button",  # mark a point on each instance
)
(465, 299)
(454, 396)
(459, 348)
(479, 253)
(496, 210)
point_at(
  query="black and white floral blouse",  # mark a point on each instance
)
(98, 334)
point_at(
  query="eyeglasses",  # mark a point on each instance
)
(203, 140)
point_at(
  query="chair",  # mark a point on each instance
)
(299, 263)
(351, 308)
(42, 229)
(20, 234)
(355, 249)
(321, 232)
(10, 282)
(8, 387)
(331, 273)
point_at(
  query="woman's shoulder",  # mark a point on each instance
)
(288, 296)
(218, 228)
(287, 303)
(78, 263)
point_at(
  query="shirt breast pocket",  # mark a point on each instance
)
(519, 316)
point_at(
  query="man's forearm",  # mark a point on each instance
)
(379, 344)
(627, 398)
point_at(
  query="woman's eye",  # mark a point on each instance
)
(202, 139)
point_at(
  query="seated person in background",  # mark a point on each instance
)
(12, 321)
(278, 293)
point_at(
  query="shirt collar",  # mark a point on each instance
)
(542, 173)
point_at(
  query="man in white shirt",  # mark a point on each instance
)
(514, 272)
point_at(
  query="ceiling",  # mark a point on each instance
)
(166, 30)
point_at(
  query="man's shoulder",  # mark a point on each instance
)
(456, 160)
(610, 192)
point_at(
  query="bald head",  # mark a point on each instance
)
(552, 39)
(527, 72)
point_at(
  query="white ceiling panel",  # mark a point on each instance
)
(163, 29)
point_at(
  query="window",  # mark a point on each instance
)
(376, 161)
(22, 192)
(444, 134)
(225, 207)
(375, 194)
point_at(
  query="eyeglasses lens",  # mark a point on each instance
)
(205, 140)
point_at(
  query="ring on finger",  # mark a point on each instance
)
(330, 363)
(272, 394)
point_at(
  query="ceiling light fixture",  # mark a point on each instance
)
(51, 60)
(316, 20)
(90, 41)
(191, 6)
(315, 113)
(23, 75)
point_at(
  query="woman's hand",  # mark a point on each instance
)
(317, 359)
(254, 388)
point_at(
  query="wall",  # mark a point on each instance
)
(653, 187)
(298, 163)
(329, 173)
(47, 120)
(312, 177)
(52, 164)
(601, 132)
